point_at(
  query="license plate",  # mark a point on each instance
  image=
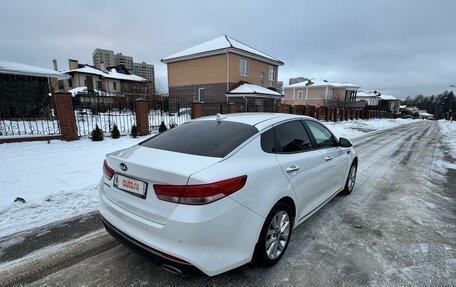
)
(131, 185)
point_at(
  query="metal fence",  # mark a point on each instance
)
(93, 110)
(24, 112)
(213, 107)
(170, 111)
(26, 107)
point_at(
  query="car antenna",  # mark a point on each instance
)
(220, 117)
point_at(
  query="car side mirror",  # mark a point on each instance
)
(343, 142)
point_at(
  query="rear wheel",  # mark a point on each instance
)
(351, 180)
(274, 236)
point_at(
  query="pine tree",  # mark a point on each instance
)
(134, 131)
(97, 134)
(162, 127)
(115, 133)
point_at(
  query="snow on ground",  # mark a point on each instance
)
(59, 180)
(353, 129)
(449, 130)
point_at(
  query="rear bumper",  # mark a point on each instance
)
(213, 238)
(143, 250)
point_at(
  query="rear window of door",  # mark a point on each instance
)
(291, 137)
(205, 138)
(322, 135)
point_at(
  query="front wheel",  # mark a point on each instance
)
(274, 236)
(351, 180)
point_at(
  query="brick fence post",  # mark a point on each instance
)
(197, 110)
(142, 116)
(65, 115)
(231, 108)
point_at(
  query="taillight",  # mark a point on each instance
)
(108, 172)
(201, 193)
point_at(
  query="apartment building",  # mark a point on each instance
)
(111, 59)
(144, 70)
(124, 60)
(103, 56)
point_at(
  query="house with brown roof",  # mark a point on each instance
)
(104, 81)
(321, 93)
(211, 69)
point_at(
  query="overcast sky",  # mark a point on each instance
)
(397, 47)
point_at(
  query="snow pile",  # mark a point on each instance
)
(353, 129)
(449, 130)
(59, 180)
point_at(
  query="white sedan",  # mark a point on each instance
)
(218, 192)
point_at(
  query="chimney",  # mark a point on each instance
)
(73, 64)
(102, 66)
(56, 68)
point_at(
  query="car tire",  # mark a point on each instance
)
(351, 180)
(275, 235)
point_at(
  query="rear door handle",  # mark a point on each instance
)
(292, 168)
(328, 158)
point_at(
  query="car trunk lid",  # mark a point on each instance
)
(139, 167)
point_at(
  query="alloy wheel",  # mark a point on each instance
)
(352, 178)
(277, 235)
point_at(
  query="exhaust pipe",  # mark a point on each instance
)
(171, 269)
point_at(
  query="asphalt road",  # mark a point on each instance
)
(398, 227)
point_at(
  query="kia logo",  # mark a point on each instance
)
(123, 167)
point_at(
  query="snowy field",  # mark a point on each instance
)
(58, 180)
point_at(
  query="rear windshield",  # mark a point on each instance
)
(205, 138)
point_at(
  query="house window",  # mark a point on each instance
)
(244, 68)
(262, 79)
(70, 83)
(85, 82)
(300, 95)
(99, 85)
(201, 95)
(114, 85)
(271, 75)
(330, 94)
(61, 85)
